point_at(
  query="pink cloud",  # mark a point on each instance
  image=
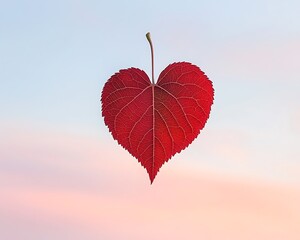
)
(198, 207)
(104, 194)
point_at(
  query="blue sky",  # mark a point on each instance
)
(56, 56)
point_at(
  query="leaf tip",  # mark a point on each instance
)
(152, 176)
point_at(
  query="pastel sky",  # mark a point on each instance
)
(62, 176)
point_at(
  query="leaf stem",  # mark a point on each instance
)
(152, 54)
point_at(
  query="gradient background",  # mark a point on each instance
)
(62, 176)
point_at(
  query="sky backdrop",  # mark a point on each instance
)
(62, 176)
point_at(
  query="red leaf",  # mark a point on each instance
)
(155, 121)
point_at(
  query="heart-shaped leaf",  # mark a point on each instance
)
(155, 121)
